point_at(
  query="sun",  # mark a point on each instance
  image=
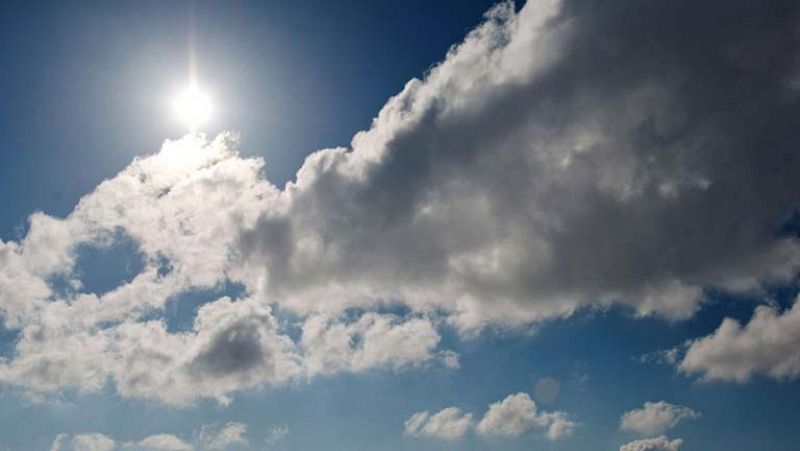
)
(193, 107)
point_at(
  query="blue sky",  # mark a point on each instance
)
(557, 225)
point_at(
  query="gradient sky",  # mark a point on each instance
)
(455, 225)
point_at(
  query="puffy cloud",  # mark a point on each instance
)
(515, 183)
(518, 413)
(84, 442)
(372, 341)
(210, 437)
(510, 417)
(182, 207)
(559, 425)
(213, 437)
(449, 423)
(655, 418)
(653, 444)
(769, 344)
(165, 442)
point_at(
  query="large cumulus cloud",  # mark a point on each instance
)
(572, 154)
(184, 207)
(569, 154)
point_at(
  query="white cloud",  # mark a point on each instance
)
(510, 417)
(165, 442)
(214, 437)
(655, 418)
(449, 423)
(769, 345)
(653, 444)
(517, 414)
(210, 437)
(374, 340)
(84, 442)
(515, 183)
(450, 359)
(559, 425)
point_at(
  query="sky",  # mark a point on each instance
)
(405, 225)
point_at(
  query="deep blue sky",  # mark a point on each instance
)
(85, 87)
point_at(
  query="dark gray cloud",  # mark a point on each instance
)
(235, 349)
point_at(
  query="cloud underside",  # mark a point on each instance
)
(564, 156)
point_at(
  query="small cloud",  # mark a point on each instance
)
(84, 442)
(518, 413)
(450, 359)
(277, 433)
(449, 423)
(661, 443)
(214, 437)
(661, 357)
(655, 418)
(164, 442)
(510, 417)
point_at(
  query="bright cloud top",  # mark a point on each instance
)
(515, 183)
(511, 417)
(769, 344)
(661, 443)
(210, 437)
(655, 418)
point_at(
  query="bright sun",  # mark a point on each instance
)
(193, 107)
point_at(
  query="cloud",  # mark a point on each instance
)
(81, 340)
(513, 416)
(210, 437)
(655, 418)
(559, 425)
(449, 423)
(277, 433)
(84, 442)
(517, 182)
(653, 444)
(165, 442)
(514, 183)
(213, 437)
(517, 414)
(769, 345)
(372, 341)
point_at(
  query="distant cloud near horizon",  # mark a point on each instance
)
(210, 437)
(661, 443)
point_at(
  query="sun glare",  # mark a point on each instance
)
(193, 107)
